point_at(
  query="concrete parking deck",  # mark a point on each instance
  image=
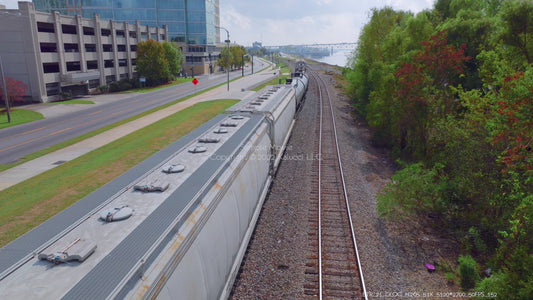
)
(238, 89)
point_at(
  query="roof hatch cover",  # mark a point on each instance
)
(78, 250)
(116, 213)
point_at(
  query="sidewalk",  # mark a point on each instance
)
(44, 163)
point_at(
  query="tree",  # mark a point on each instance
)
(225, 60)
(517, 19)
(174, 57)
(234, 59)
(424, 90)
(15, 91)
(514, 130)
(152, 63)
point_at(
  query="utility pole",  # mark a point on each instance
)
(226, 41)
(4, 89)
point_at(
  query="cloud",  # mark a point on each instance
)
(283, 22)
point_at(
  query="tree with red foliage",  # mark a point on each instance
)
(15, 91)
(515, 130)
(438, 65)
(423, 89)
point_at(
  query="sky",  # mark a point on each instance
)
(290, 22)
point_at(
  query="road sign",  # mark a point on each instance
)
(195, 81)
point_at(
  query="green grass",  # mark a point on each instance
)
(19, 116)
(73, 101)
(155, 88)
(33, 201)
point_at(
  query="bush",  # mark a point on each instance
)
(414, 190)
(468, 269)
(103, 89)
(496, 285)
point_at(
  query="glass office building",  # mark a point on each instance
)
(189, 21)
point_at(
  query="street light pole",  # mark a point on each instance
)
(4, 89)
(227, 41)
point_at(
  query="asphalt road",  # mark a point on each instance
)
(21, 140)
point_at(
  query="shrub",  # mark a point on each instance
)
(468, 270)
(103, 88)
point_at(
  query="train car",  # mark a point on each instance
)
(174, 227)
(300, 67)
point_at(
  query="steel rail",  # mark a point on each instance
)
(348, 212)
(320, 197)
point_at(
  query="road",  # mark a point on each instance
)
(21, 140)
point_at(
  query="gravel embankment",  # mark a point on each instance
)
(392, 253)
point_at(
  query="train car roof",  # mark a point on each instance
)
(121, 247)
(266, 100)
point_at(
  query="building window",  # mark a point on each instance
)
(144, 36)
(133, 48)
(71, 47)
(109, 79)
(193, 59)
(51, 67)
(73, 66)
(124, 76)
(52, 88)
(106, 32)
(92, 64)
(162, 37)
(88, 30)
(109, 63)
(107, 48)
(133, 34)
(45, 27)
(122, 62)
(121, 48)
(68, 29)
(196, 48)
(90, 47)
(120, 33)
(48, 47)
(94, 83)
(133, 62)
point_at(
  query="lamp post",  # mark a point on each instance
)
(243, 64)
(4, 89)
(226, 41)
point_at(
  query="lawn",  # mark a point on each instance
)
(19, 116)
(33, 201)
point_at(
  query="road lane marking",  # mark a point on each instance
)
(35, 139)
(23, 133)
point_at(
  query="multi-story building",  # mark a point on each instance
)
(191, 23)
(54, 54)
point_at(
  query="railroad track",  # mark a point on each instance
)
(333, 270)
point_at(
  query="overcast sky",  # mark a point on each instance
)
(283, 22)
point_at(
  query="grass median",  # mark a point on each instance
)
(19, 116)
(33, 201)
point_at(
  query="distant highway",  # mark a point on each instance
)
(21, 140)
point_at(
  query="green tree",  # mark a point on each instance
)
(225, 59)
(517, 17)
(173, 56)
(152, 63)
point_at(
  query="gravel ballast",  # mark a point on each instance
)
(392, 252)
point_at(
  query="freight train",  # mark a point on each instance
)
(174, 227)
